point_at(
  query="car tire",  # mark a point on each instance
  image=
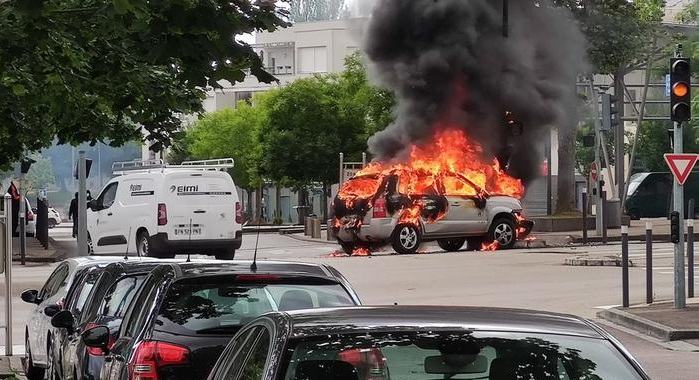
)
(474, 243)
(406, 239)
(30, 370)
(143, 245)
(225, 254)
(634, 214)
(50, 361)
(451, 245)
(347, 248)
(503, 230)
(52, 223)
(90, 247)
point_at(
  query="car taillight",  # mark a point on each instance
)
(162, 214)
(238, 213)
(369, 362)
(151, 355)
(257, 278)
(380, 208)
(94, 351)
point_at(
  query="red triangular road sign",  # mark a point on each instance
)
(681, 165)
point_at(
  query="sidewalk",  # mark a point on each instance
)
(11, 367)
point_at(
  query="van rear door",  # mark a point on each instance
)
(203, 200)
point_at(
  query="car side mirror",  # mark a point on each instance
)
(480, 202)
(51, 310)
(30, 296)
(97, 337)
(93, 205)
(64, 319)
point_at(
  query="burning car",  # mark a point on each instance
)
(443, 193)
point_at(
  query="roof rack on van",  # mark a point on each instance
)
(120, 168)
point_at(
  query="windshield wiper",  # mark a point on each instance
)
(220, 329)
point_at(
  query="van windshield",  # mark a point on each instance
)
(635, 181)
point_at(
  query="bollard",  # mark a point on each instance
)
(584, 217)
(307, 226)
(649, 262)
(690, 258)
(315, 228)
(625, 265)
(690, 209)
(603, 194)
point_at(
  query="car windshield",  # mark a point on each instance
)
(634, 182)
(224, 307)
(457, 355)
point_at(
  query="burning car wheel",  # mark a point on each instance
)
(474, 243)
(349, 248)
(406, 239)
(503, 231)
(451, 245)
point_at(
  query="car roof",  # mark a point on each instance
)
(377, 318)
(89, 261)
(214, 268)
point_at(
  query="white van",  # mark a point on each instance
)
(154, 209)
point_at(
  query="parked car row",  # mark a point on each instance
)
(142, 318)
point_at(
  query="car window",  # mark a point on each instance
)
(106, 199)
(362, 187)
(191, 308)
(254, 366)
(231, 358)
(422, 184)
(54, 282)
(457, 355)
(119, 296)
(76, 301)
(456, 186)
(138, 310)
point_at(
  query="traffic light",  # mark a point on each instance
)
(610, 118)
(25, 164)
(680, 89)
(675, 227)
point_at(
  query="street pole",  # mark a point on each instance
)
(678, 200)
(8, 274)
(598, 144)
(82, 205)
(22, 221)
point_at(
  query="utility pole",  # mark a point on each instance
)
(82, 205)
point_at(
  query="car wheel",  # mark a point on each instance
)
(474, 243)
(503, 231)
(406, 239)
(52, 223)
(451, 245)
(32, 372)
(634, 214)
(143, 245)
(348, 248)
(225, 254)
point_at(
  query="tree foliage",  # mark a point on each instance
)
(229, 133)
(654, 142)
(94, 70)
(40, 174)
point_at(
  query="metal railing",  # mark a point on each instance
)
(123, 167)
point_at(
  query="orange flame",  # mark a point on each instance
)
(337, 253)
(361, 251)
(490, 247)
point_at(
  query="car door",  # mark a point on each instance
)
(463, 216)
(39, 323)
(116, 363)
(109, 237)
(248, 359)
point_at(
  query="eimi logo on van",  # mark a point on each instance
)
(184, 189)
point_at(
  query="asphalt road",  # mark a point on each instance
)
(534, 278)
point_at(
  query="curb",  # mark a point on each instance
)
(529, 244)
(646, 326)
(607, 261)
(657, 238)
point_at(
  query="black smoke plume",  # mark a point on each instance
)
(448, 62)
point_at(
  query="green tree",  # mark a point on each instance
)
(94, 70)
(40, 174)
(654, 142)
(229, 133)
(621, 38)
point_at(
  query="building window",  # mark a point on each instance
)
(313, 60)
(243, 95)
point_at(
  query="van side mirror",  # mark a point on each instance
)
(64, 319)
(31, 296)
(93, 205)
(97, 337)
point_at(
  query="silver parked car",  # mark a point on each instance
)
(406, 209)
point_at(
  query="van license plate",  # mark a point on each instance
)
(185, 231)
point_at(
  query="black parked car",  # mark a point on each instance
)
(110, 295)
(66, 288)
(425, 342)
(185, 314)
